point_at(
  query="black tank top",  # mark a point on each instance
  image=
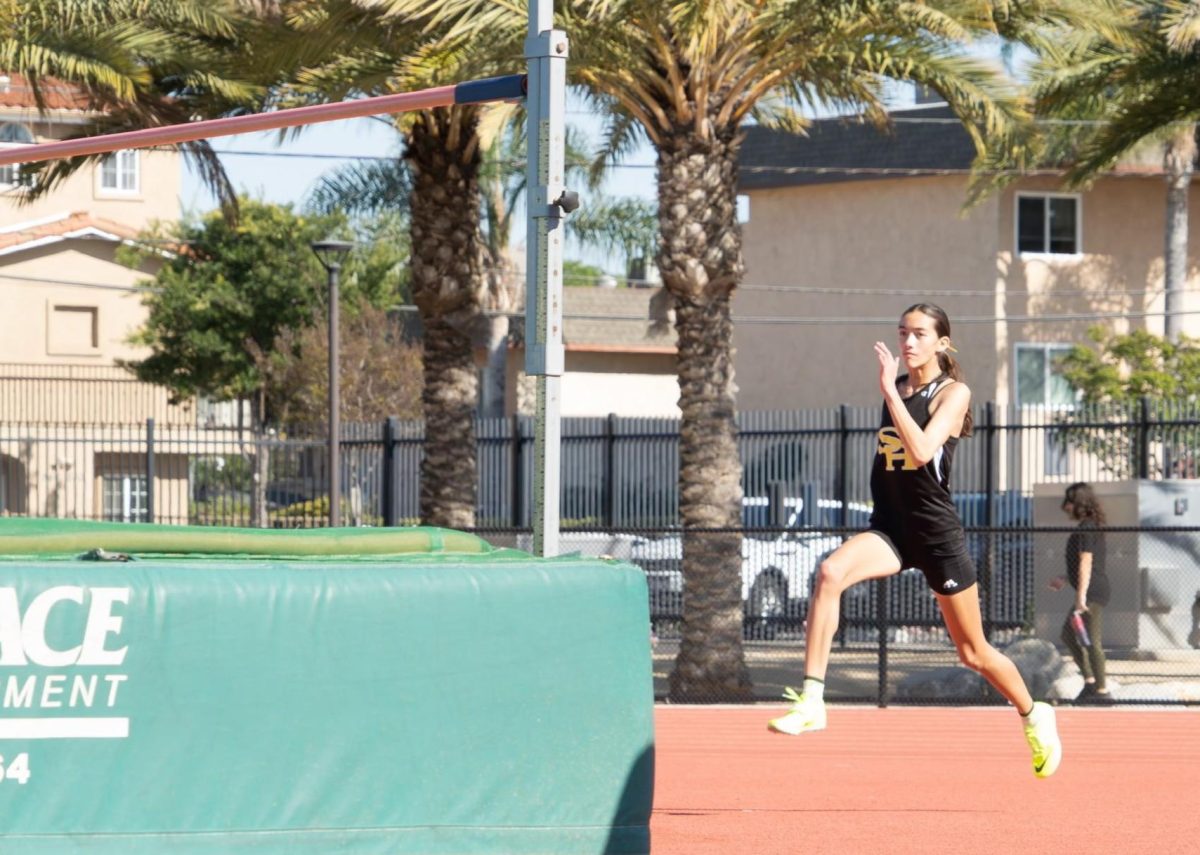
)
(913, 500)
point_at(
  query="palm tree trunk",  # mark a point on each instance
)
(700, 260)
(1179, 163)
(448, 284)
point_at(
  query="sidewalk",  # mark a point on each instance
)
(854, 672)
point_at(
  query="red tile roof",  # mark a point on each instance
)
(57, 94)
(74, 222)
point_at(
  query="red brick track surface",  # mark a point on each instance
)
(924, 780)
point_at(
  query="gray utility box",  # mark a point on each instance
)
(1155, 576)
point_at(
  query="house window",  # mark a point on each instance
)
(1039, 380)
(124, 498)
(119, 172)
(73, 330)
(11, 175)
(1048, 224)
(1041, 384)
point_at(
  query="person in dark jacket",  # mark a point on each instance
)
(1085, 560)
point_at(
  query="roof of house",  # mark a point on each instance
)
(599, 320)
(832, 147)
(626, 320)
(66, 226)
(56, 94)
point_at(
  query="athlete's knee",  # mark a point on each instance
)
(973, 656)
(831, 576)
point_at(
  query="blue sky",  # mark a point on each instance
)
(264, 167)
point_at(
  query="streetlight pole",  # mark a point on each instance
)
(331, 254)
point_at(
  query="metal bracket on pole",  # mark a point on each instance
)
(546, 52)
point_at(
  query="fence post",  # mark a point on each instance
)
(518, 474)
(843, 490)
(610, 470)
(844, 464)
(1144, 440)
(881, 621)
(989, 509)
(150, 470)
(391, 515)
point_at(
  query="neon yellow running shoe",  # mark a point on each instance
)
(1042, 736)
(806, 714)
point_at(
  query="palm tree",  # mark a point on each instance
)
(386, 185)
(139, 63)
(1139, 75)
(339, 48)
(688, 75)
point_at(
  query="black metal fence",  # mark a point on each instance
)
(806, 487)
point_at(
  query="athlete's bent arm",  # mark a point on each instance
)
(947, 412)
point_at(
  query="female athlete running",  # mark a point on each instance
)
(915, 524)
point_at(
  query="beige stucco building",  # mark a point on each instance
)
(69, 300)
(620, 352)
(72, 423)
(849, 226)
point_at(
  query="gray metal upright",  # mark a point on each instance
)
(546, 52)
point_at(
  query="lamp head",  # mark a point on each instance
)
(332, 253)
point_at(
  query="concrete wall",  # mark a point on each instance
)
(1119, 272)
(31, 327)
(880, 237)
(599, 383)
(911, 235)
(157, 197)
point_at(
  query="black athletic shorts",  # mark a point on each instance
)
(947, 567)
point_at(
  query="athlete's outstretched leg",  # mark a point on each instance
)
(965, 625)
(864, 556)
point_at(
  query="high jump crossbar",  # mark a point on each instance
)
(507, 88)
(544, 91)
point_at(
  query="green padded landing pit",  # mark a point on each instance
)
(463, 700)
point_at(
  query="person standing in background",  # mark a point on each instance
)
(1085, 560)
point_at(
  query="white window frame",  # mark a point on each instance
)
(129, 155)
(15, 168)
(1078, 253)
(1046, 347)
(131, 510)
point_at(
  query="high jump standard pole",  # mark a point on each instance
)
(546, 51)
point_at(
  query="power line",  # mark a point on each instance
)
(783, 320)
(895, 171)
(928, 292)
(745, 320)
(73, 283)
(920, 292)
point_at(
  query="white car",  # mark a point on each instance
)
(778, 569)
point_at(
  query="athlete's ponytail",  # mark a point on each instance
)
(948, 364)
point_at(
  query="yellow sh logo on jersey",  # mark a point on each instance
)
(893, 451)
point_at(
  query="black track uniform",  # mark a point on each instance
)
(913, 511)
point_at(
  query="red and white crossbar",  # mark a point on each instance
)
(509, 88)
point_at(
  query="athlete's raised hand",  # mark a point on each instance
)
(888, 366)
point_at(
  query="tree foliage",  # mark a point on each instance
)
(379, 376)
(139, 64)
(1123, 367)
(232, 297)
(1144, 385)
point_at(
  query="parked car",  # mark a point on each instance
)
(778, 566)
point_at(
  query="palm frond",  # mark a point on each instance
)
(368, 188)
